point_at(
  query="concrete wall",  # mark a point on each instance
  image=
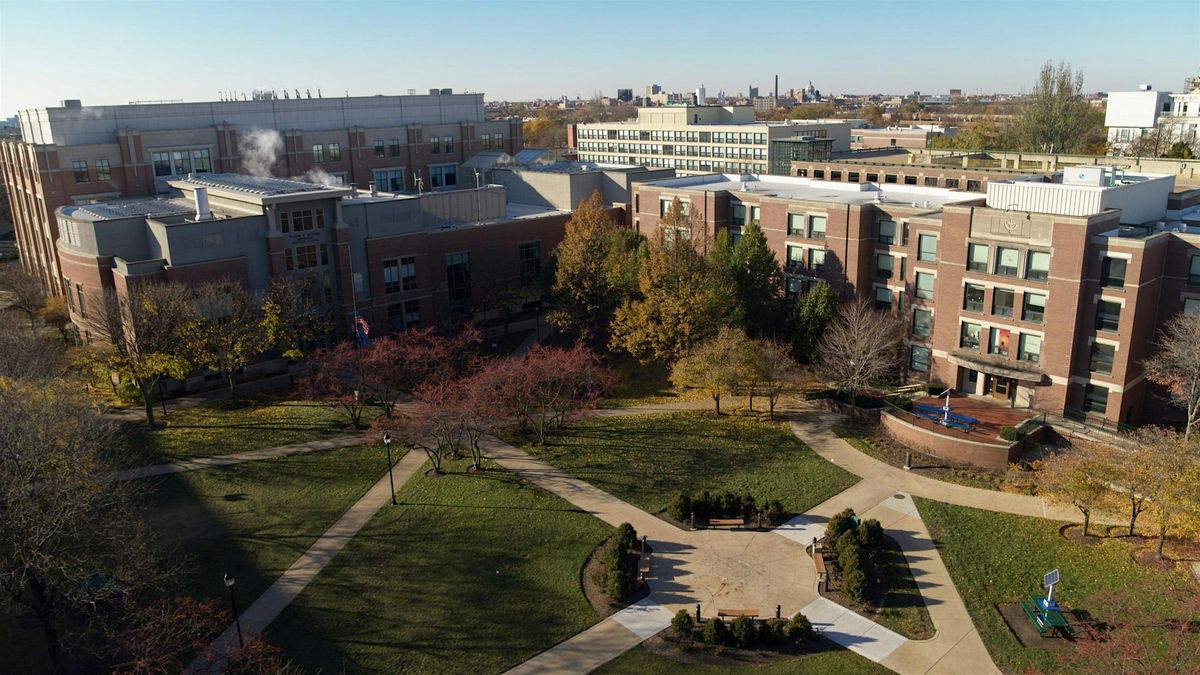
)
(990, 453)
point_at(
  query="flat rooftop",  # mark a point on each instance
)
(808, 189)
(578, 167)
(133, 208)
(252, 185)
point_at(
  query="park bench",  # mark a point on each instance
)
(822, 573)
(644, 564)
(726, 522)
(748, 613)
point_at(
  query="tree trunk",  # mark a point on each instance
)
(717, 399)
(853, 407)
(144, 388)
(229, 377)
(38, 605)
(1087, 519)
(1162, 539)
(751, 400)
(1133, 514)
(771, 407)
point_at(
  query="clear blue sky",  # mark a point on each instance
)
(117, 51)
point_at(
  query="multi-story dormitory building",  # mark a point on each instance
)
(76, 155)
(1042, 294)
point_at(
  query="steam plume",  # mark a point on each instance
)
(259, 149)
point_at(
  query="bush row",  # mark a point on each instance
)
(725, 505)
(619, 566)
(858, 549)
(744, 631)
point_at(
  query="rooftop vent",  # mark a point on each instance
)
(72, 104)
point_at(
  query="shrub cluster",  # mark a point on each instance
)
(857, 548)
(619, 567)
(724, 505)
(745, 632)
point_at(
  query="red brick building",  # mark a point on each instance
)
(1042, 294)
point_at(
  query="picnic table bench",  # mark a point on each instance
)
(748, 613)
(726, 522)
(1045, 620)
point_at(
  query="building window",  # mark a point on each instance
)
(918, 360)
(394, 147)
(1191, 306)
(304, 220)
(318, 153)
(977, 257)
(910, 180)
(404, 316)
(379, 149)
(887, 232)
(306, 256)
(1034, 308)
(162, 163)
(458, 283)
(443, 176)
(1108, 315)
(931, 181)
(485, 141)
(1095, 398)
(1112, 271)
(854, 177)
(1037, 265)
(795, 257)
(448, 141)
(973, 185)
(969, 336)
(103, 170)
(884, 265)
(1002, 302)
(973, 298)
(755, 215)
(388, 180)
(335, 152)
(1194, 271)
(201, 162)
(872, 178)
(80, 301)
(951, 183)
(883, 298)
(81, 170)
(816, 259)
(922, 323)
(181, 162)
(926, 248)
(1029, 348)
(529, 256)
(1102, 358)
(889, 178)
(391, 276)
(435, 145)
(816, 227)
(795, 225)
(925, 285)
(998, 339)
(408, 273)
(1006, 261)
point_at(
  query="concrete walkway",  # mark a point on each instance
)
(237, 458)
(599, 644)
(280, 594)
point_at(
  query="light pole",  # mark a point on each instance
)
(387, 443)
(233, 601)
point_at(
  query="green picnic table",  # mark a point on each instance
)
(1045, 620)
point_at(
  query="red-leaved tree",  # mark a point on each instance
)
(1124, 626)
(433, 421)
(343, 377)
(548, 385)
(404, 362)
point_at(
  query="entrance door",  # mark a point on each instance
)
(1002, 387)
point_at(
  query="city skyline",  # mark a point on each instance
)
(527, 50)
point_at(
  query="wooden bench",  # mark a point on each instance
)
(748, 613)
(644, 564)
(822, 573)
(726, 522)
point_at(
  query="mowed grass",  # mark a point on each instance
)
(863, 440)
(254, 519)
(218, 428)
(644, 384)
(471, 573)
(640, 661)
(998, 558)
(648, 459)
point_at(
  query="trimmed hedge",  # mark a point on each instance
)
(707, 505)
(745, 632)
(683, 624)
(619, 568)
(857, 549)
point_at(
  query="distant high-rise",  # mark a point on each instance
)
(753, 93)
(652, 89)
(625, 95)
(701, 96)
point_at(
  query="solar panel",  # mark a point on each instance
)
(1050, 579)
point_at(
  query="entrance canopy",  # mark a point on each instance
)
(998, 366)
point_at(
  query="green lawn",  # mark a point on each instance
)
(647, 459)
(997, 558)
(639, 661)
(903, 608)
(255, 519)
(266, 421)
(470, 574)
(643, 384)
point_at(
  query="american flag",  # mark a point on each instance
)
(361, 326)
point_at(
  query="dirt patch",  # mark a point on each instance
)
(591, 580)
(1149, 558)
(668, 645)
(1074, 534)
(1022, 628)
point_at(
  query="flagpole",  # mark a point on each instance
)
(353, 296)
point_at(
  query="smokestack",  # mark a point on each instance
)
(371, 186)
(777, 86)
(201, 200)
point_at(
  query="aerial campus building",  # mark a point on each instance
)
(1044, 292)
(74, 155)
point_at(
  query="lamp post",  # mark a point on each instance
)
(387, 443)
(233, 601)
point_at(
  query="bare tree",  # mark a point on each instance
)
(25, 293)
(775, 370)
(75, 551)
(30, 358)
(859, 347)
(1176, 365)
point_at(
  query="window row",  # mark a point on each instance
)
(686, 165)
(800, 259)
(676, 150)
(1008, 262)
(999, 342)
(731, 137)
(305, 257)
(812, 227)
(80, 168)
(181, 162)
(319, 155)
(301, 220)
(1033, 305)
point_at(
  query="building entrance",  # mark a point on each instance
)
(1002, 388)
